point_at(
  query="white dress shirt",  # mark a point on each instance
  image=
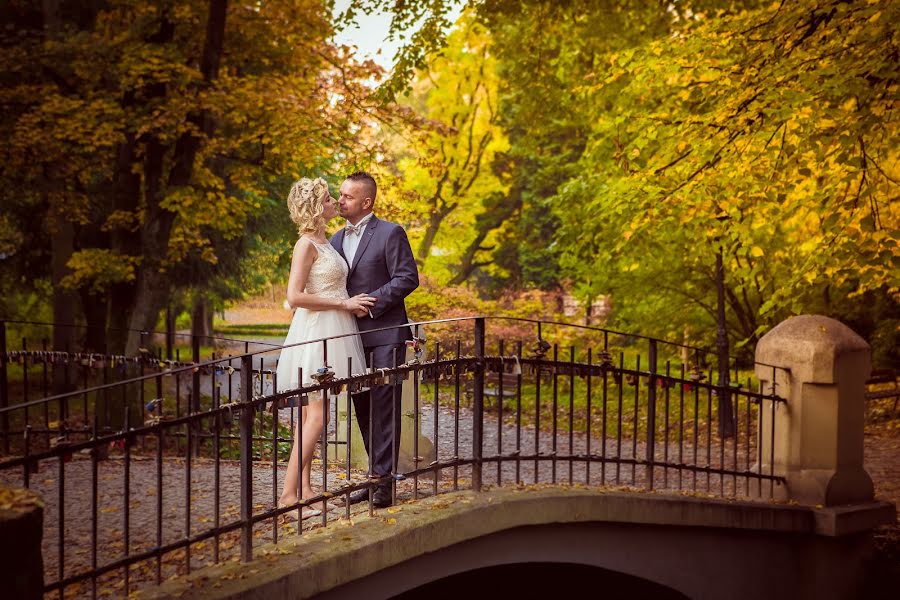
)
(351, 240)
(351, 243)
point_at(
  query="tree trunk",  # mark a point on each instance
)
(496, 213)
(62, 245)
(95, 307)
(434, 224)
(201, 318)
(64, 300)
(153, 284)
(126, 192)
(153, 293)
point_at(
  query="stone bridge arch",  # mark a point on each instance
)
(541, 580)
(677, 546)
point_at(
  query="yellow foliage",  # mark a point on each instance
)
(97, 269)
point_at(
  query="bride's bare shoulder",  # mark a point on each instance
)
(304, 246)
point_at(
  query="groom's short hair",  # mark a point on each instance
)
(367, 180)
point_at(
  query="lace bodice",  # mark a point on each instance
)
(328, 274)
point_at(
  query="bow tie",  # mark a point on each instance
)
(353, 229)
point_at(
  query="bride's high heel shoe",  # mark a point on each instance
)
(305, 513)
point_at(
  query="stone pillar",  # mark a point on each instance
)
(819, 366)
(358, 457)
(21, 529)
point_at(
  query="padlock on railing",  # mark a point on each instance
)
(517, 366)
(154, 405)
(226, 416)
(323, 375)
(60, 442)
(696, 374)
(540, 348)
(357, 387)
(294, 401)
(379, 377)
(605, 359)
(417, 345)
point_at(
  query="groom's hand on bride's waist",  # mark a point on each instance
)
(368, 311)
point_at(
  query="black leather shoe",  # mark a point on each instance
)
(358, 496)
(382, 497)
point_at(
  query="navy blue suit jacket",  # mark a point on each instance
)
(383, 267)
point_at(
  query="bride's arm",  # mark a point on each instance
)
(304, 256)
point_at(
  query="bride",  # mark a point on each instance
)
(317, 288)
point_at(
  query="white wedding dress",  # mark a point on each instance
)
(327, 277)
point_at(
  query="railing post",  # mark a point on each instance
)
(726, 415)
(815, 438)
(478, 405)
(651, 412)
(4, 389)
(195, 390)
(246, 450)
(195, 377)
(170, 331)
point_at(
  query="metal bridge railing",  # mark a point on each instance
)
(149, 481)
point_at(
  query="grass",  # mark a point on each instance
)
(687, 404)
(255, 329)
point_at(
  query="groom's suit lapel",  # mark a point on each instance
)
(337, 242)
(368, 234)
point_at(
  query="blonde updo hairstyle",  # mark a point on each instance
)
(306, 203)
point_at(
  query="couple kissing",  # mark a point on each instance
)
(353, 283)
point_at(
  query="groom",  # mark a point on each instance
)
(381, 265)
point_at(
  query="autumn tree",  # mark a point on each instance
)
(156, 129)
(769, 135)
(443, 165)
(546, 51)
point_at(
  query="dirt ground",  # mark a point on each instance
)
(882, 461)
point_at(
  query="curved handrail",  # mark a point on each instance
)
(213, 362)
(141, 331)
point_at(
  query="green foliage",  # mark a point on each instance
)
(97, 268)
(441, 168)
(254, 331)
(159, 132)
(643, 142)
(263, 448)
(421, 26)
(767, 133)
(697, 407)
(546, 51)
(606, 148)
